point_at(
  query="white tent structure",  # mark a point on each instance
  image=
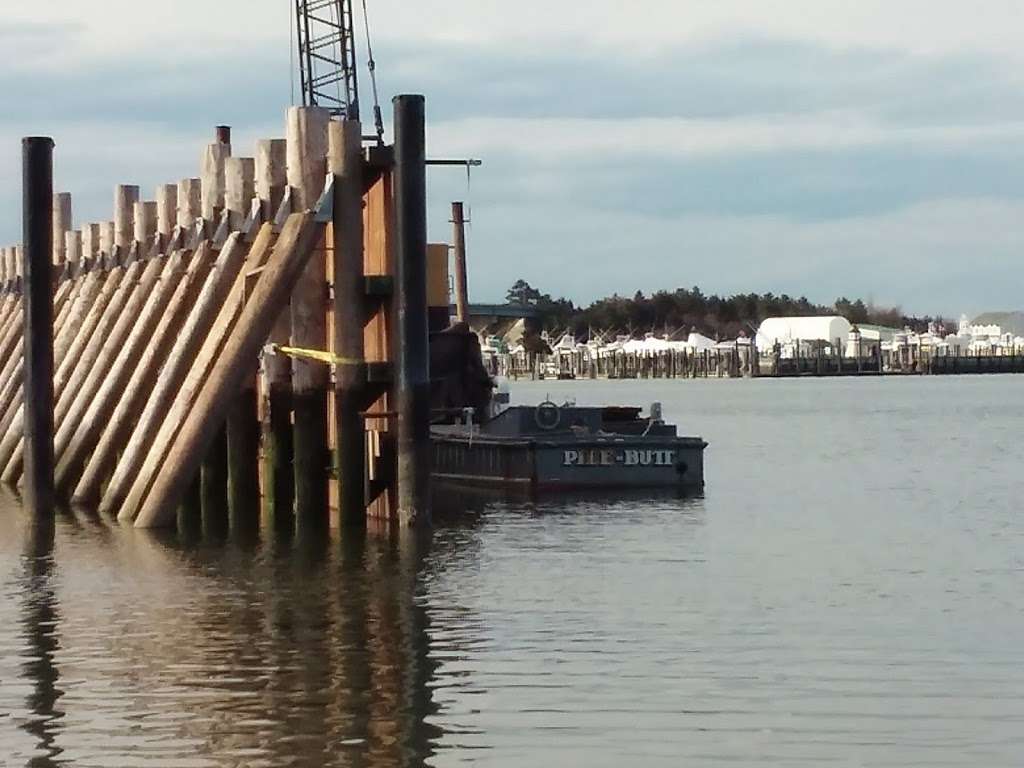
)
(786, 330)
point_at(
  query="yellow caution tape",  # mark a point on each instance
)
(316, 354)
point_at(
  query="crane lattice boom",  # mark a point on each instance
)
(327, 56)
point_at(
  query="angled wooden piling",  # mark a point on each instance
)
(293, 249)
(117, 428)
(151, 305)
(210, 321)
(72, 371)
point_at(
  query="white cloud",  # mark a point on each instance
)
(117, 28)
(679, 137)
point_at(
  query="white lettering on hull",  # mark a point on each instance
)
(606, 457)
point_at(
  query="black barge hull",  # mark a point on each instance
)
(565, 464)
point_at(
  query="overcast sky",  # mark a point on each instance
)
(820, 147)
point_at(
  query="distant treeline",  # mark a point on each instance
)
(683, 310)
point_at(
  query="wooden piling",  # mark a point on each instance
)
(243, 427)
(298, 241)
(145, 219)
(91, 242)
(184, 370)
(117, 353)
(117, 428)
(150, 303)
(37, 213)
(190, 202)
(307, 169)
(166, 211)
(61, 225)
(107, 241)
(412, 378)
(276, 373)
(346, 163)
(73, 247)
(74, 370)
(125, 198)
(239, 189)
(459, 245)
(212, 177)
(213, 487)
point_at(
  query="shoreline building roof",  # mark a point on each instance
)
(783, 330)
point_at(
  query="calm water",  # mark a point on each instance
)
(850, 592)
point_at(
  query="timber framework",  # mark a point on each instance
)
(252, 343)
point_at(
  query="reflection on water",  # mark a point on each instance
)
(848, 592)
(40, 625)
(144, 650)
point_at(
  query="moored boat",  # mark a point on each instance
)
(550, 447)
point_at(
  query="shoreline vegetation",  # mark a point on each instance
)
(676, 313)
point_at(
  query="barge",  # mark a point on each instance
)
(548, 447)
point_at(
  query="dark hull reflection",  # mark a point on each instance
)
(452, 502)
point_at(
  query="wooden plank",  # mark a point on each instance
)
(237, 360)
(196, 342)
(118, 426)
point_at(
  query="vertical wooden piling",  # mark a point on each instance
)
(37, 234)
(145, 216)
(239, 189)
(346, 163)
(307, 169)
(61, 224)
(125, 198)
(459, 244)
(73, 247)
(243, 426)
(107, 241)
(212, 176)
(213, 487)
(190, 202)
(166, 211)
(91, 242)
(278, 476)
(412, 376)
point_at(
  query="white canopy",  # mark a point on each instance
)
(783, 330)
